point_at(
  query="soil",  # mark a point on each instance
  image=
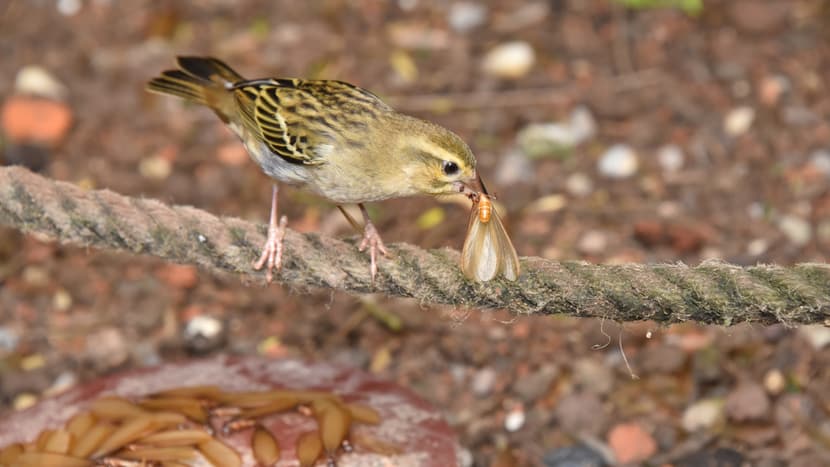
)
(740, 89)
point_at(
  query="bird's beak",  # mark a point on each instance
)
(472, 187)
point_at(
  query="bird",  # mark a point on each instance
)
(329, 137)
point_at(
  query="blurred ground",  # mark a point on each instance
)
(610, 135)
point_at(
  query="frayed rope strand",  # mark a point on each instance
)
(711, 293)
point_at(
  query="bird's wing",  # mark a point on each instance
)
(297, 119)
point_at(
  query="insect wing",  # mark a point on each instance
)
(478, 258)
(487, 249)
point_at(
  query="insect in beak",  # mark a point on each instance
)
(487, 250)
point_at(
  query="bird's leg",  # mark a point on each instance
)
(272, 250)
(372, 241)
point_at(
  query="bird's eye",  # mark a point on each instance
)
(450, 167)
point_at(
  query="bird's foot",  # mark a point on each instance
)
(372, 241)
(272, 250)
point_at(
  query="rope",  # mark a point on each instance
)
(711, 293)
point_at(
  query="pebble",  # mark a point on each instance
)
(546, 139)
(179, 275)
(510, 60)
(757, 247)
(581, 413)
(747, 402)
(69, 7)
(37, 81)
(483, 381)
(796, 229)
(579, 184)
(816, 334)
(820, 160)
(62, 300)
(593, 242)
(558, 138)
(772, 88)
(631, 443)
(548, 203)
(515, 418)
(619, 161)
(466, 16)
(155, 167)
(24, 401)
(203, 333)
(665, 358)
(580, 455)
(702, 415)
(593, 376)
(514, 168)
(738, 121)
(775, 382)
(27, 119)
(670, 158)
(107, 348)
(760, 16)
(8, 338)
(537, 384)
(582, 124)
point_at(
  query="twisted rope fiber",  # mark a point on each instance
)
(712, 293)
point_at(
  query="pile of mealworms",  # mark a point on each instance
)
(183, 426)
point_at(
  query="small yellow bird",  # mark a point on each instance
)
(330, 137)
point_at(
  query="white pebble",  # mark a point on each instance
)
(816, 334)
(465, 16)
(35, 80)
(757, 247)
(510, 60)
(821, 161)
(670, 158)
(738, 121)
(580, 185)
(593, 242)
(69, 7)
(583, 126)
(619, 161)
(515, 419)
(203, 326)
(702, 415)
(797, 230)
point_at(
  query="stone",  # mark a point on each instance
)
(27, 119)
(204, 333)
(738, 121)
(581, 413)
(747, 402)
(537, 384)
(631, 443)
(670, 158)
(816, 334)
(797, 230)
(618, 162)
(466, 16)
(703, 415)
(579, 184)
(510, 60)
(579, 455)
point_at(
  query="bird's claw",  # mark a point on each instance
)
(372, 241)
(272, 250)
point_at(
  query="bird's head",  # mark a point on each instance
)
(437, 161)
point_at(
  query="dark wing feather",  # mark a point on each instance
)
(295, 117)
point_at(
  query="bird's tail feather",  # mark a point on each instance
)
(203, 80)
